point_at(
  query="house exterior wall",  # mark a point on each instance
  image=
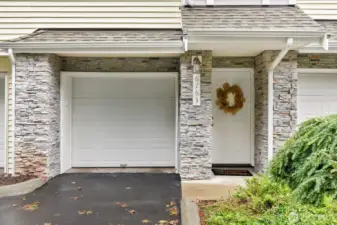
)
(233, 62)
(37, 141)
(318, 9)
(195, 121)
(317, 61)
(20, 18)
(285, 103)
(140, 64)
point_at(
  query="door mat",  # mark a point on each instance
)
(230, 172)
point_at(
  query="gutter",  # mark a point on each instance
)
(91, 45)
(271, 69)
(254, 33)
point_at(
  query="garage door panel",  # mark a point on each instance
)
(317, 95)
(123, 110)
(115, 127)
(131, 88)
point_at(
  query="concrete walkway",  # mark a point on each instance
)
(219, 187)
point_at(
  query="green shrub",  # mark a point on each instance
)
(266, 202)
(308, 161)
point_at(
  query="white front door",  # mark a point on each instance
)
(233, 134)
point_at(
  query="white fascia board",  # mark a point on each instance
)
(89, 44)
(292, 2)
(127, 47)
(249, 34)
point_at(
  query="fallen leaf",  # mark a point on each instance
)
(47, 223)
(15, 205)
(31, 207)
(89, 212)
(117, 203)
(173, 211)
(174, 222)
(24, 198)
(163, 221)
(146, 221)
(79, 188)
(75, 197)
(124, 205)
(81, 212)
(172, 203)
(132, 211)
(73, 182)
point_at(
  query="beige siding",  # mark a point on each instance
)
(5, 67)
(18, 18)
(319, 9)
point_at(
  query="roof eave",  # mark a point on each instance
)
(95, 47)
(254, 33)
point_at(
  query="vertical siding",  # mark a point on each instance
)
(5, 67)
(18, 18)
(319, 9)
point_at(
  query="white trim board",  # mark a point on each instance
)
(312, 70)
(252, 99)
(4, 75)
(66, 107)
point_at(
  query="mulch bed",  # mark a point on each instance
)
(230, 172)
(202, 205)
(7, 179)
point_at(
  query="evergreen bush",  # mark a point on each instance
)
(308, 161)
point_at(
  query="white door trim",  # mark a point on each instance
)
(252, 99)
(4, 75)
(66, 105)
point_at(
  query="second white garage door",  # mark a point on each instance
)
(120, 122)
(317, 95)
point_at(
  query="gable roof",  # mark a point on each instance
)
(101, 36)
(248, 19)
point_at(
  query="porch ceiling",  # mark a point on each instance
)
(237, 47)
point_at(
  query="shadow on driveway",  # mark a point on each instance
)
(95, 199)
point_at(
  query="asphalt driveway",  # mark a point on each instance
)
(95, 199)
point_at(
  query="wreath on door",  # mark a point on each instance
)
(230, 99)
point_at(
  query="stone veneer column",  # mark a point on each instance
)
(37, 141)
(285, 103)
(195, 121)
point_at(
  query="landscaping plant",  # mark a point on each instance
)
(266, 202)
(308, 161)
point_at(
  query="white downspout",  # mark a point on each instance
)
(271, 96)
(12, 59)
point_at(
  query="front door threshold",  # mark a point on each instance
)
(121, 170)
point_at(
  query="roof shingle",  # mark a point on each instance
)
(74, 36)
(249, 18)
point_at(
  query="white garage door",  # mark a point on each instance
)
(317, 95)
(2, 122)
(123, 122)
